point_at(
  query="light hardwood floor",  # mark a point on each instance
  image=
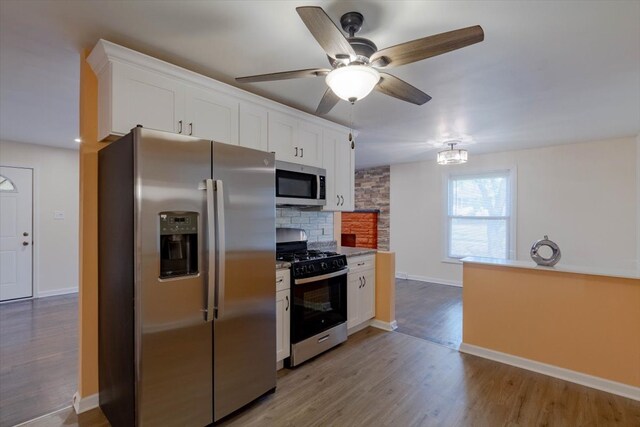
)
(38, 356)
(391, 379)
(430, 311)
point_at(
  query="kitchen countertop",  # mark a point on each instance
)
(282, 264)
(349, 251)
(561, 268)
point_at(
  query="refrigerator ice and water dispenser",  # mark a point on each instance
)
(178, 244)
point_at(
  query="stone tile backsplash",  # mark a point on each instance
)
(317, 224)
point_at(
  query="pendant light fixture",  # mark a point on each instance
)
(352, 82)
(452, 156)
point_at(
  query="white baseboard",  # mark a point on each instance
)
(85, 404)
(598, 383)
(55, 292)
(429, 279)
(385, 326)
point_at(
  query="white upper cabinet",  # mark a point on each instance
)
(294, 140)
(211, 115)
(338, 161)
(310, 144)
(253, 126)
(139, 97)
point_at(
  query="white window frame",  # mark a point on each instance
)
(512, 221)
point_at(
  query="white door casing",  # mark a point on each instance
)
(16, 233)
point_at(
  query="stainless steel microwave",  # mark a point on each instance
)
(300, 185)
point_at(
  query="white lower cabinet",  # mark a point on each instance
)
(283, 315)
(361, 290)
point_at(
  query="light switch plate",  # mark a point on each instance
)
(58, 214)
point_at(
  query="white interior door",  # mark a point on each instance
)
(16, 231)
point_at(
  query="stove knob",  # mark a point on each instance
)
(341, 262)
(303, 268)
(323, 265)
(312, 268)
(335, 263)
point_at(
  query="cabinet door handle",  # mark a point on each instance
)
(287, 298)
(296, 151)
(360, 263)
(179, 126)
(365, 281)
(190, 128)
(360, 278)
(280, 280)
(342, 201)
(302, 152)
(338, 202)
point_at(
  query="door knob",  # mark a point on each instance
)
(25, 234)
(25, 243)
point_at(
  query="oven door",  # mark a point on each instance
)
(319, 303)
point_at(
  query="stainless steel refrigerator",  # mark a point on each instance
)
(186, 279)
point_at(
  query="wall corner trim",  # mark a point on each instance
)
(385, 326)
(84, 404)
(587, 380)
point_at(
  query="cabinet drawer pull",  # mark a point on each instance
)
(360, 263)
(179, 126)
(324, 338)
(280, 280)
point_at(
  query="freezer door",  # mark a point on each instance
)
(173, 351)
(245, 321)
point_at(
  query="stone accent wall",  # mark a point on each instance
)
(372, 191)
(317, 224)
(365, 227)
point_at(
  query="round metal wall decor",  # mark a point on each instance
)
(539, 259)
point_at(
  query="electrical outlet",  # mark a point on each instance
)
(58, 214)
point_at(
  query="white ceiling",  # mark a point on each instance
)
(547, 73)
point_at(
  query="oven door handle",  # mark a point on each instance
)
(340, 272)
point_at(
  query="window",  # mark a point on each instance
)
(7, 185)
(480, 215)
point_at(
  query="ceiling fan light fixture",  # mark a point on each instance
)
(352, 82)
(452, 156)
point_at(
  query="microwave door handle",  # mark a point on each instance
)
(211, 242)
(221, 248)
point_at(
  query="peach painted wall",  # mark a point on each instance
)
(386, 286)
(585, 323)
(88, 274)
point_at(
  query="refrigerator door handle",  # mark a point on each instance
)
(221, 248)
(211, 241)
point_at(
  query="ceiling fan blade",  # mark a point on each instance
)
(328, 101)
(427, 47)
(325, 32)
(284, 75)
(393, 86)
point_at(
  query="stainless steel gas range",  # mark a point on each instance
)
(319, 295)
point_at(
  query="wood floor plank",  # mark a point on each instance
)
(384, 379)
(429, 311)
(38, 356)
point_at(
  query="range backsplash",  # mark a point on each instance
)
(317, 224)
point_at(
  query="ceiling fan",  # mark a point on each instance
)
(355, 61)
